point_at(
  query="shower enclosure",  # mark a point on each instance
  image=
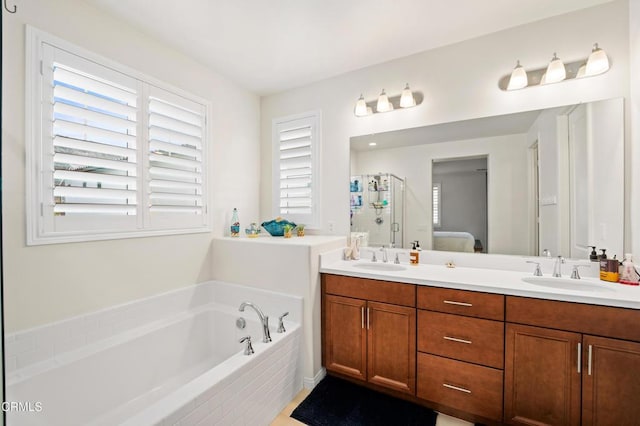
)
(377, 209)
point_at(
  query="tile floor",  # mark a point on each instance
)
(283, 418)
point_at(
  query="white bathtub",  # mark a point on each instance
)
(186, 368)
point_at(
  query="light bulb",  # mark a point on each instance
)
(361, 107)
(598, 61)
(407, 100)
(555, 71)
(383, 103)
(518, 78)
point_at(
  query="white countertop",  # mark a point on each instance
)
(493, 281)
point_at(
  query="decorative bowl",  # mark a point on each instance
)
(275, 227)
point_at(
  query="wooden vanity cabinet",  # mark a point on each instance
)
(558, 373)
(369, 331)
(461, 350)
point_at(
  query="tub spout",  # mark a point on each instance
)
(266, 336)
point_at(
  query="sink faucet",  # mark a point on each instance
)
(383, 249)
(266, 336)
(557, 267)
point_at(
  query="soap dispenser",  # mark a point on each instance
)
(593, 256)
(414, 254)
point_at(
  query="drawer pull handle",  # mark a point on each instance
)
(452, 302)
(368, 318)
(456, 388)
(455, 339)
(362, 316)
(589, 360)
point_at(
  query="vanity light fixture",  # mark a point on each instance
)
(406, 99)
(518, 79)
(555, 71)
(597, 63)
(385, 103)
(361, 107)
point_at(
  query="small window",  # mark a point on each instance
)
(436, 203)
(296, 143)
(110, 154)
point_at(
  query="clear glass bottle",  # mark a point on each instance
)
(235, 223)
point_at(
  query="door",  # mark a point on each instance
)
(345, 345)
(542, 376)
(391, 334)
(610, 382)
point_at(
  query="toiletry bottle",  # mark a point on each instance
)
(603, 255)
(235, 223)
(610, 270)
(628, 274)
(593, 256)
(414, 254)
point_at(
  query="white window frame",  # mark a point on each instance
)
(39, 230)
(313, 220)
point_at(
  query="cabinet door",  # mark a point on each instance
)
(542, 376)
(610, 382)
(346, 345)
(392, 346)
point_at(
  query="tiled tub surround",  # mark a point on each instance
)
(170, 358)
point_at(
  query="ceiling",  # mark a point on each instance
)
(272, 46)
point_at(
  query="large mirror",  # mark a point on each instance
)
(530, 183)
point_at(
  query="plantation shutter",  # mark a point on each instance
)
(111, 152)
(176, 159)
(296, 173)
(90, 112)
(436, 204)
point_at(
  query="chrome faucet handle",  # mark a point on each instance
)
(574, 272)
(248, 348)
(281, 328)
(537, 272)
(396, 260)
(373, 256)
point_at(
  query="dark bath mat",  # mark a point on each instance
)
(337, 402)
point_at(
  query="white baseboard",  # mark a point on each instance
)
(311, 382)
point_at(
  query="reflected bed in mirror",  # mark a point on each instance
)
(554, 180)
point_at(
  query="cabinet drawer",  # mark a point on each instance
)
(578, 317)
(462, 302)
(467, 339)
(366, 289)
(460, 385)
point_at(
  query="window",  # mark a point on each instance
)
(296, 141)
(111, 153)
(436, 203)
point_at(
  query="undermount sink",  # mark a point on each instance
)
(380, 266)
(567, 284)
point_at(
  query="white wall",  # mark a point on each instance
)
(48, 283)
(632, 163)
(458, 82)
(506, 186)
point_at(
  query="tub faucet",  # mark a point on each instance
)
(266, 336)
